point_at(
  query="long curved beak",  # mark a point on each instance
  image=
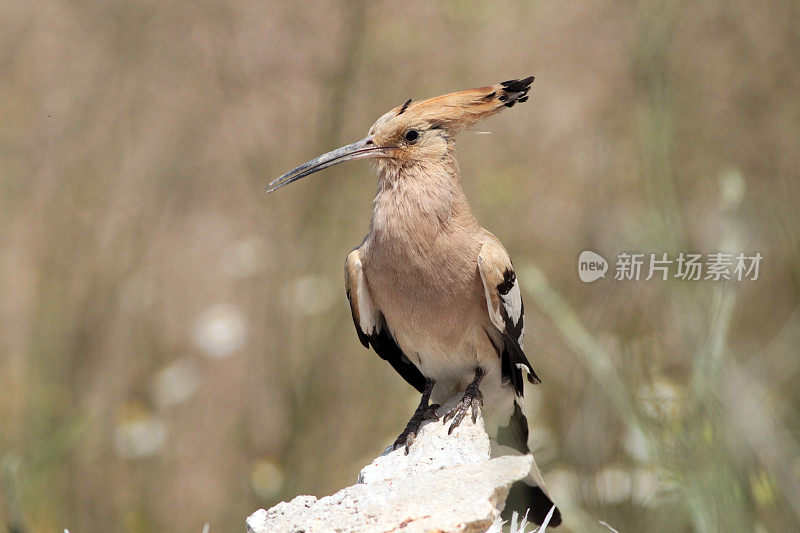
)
(358, 150)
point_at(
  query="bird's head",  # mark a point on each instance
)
(418, 131)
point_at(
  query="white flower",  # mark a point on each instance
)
(220, 331)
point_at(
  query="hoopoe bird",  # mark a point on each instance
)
(430, 290)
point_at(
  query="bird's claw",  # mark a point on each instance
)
(409, 434)
(472, 399)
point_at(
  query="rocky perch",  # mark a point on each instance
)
(447, 483)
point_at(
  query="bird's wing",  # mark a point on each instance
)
(371, 326)
(506, 311)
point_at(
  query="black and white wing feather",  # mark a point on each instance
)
(506, 311)
(371, 326)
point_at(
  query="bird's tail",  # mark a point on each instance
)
(527, 495)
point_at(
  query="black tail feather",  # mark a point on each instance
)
(515, 434)
(523, 497)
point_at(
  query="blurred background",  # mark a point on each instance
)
(176, 348)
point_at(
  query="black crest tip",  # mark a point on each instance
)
(516, 86)
(405, 106)
(516, 90)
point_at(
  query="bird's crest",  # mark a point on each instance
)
(462, 109)
(405, 106)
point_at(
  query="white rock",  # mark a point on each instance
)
(433, 449)
(446, 483)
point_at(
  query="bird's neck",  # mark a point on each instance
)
(420, 200)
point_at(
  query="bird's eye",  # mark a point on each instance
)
(412, 136)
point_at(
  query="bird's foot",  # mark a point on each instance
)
(473, 398)
(424, 412)
(407, 437)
